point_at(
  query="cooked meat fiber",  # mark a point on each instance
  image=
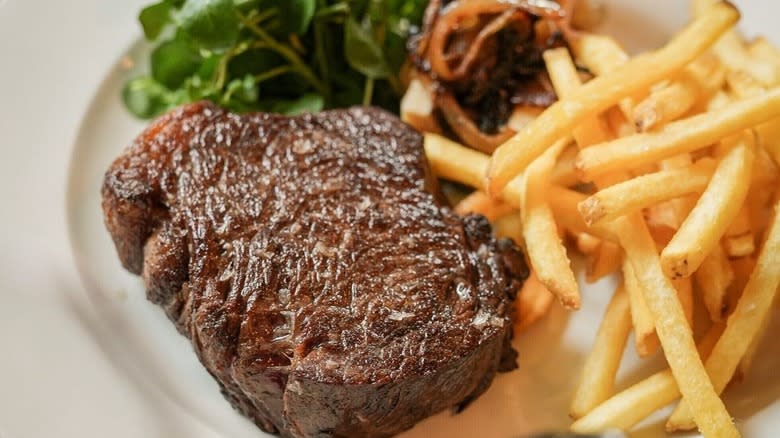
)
(310, 262)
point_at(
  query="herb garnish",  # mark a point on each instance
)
(285, 56)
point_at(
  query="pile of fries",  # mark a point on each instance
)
(662, 167)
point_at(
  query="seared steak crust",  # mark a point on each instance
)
(310, 262)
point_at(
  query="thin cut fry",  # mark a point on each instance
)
(618, 123)
(479, 202)
(714, 211)
(744, 86)
(563, 203)
(698, 79)
(685, 295)
(673, 330)
(510, 226)
(682, 136)
(743, 325)
(634, 404)
(761, 48)
(644, 191)
(565, 79)
(714, 277)
(545, 250)
(587, 244)
(606, 260)
(750, 354)
(533, 302)
(564, 173)
(601, 54)
(739, 240)
(645, 338)
(743, 267)
(455, 162)
(601, 366)
(731, 50)
(561, 118)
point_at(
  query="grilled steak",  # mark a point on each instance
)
(311, 263)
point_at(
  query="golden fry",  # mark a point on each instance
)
(644, 191)
(480, 203)
(563, 203)
(743, 324)
(673, 331)
(606, 261)
(697, 80)
(739, 240)
(510, 226)
(714, 277)
(682, 136)
(645, 338)
(544, 248)
(750, 353)
(587, 244)
(557, 121)
(731, 50)
(684, 289)
(714, 211)
(565, 79)
(598, 375)
(634, 404)
(761, 48)
(564, 173)
(455, 162)
(533, 302)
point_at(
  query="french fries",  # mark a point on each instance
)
(601, 366)
(545, 250)
(639, 73)
(730, 50)
(714, 277)
(673, 330)
(566, 81)
(717, 207)
(631, 406)
(673, 178)
(644, 191)
(455, 162)
(743, 325)
(533, 302)
(646, 341)
(606, 260)
(510, 226)
(682, 136)
(698, 79)
(479, 202)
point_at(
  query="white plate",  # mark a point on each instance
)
(96, 359)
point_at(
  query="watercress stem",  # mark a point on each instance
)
(287, 53)
(368, 91)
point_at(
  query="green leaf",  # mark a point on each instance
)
(308, 103)
(363, 52)
(209, 65)
(296, 15)
(154, 18)
(212, 24)
(244, 90)
(173, 61)
(144, 97)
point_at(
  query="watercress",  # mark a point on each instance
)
(286, 56)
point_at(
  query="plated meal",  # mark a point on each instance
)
(341, 270)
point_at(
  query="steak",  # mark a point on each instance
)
(312, 263)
